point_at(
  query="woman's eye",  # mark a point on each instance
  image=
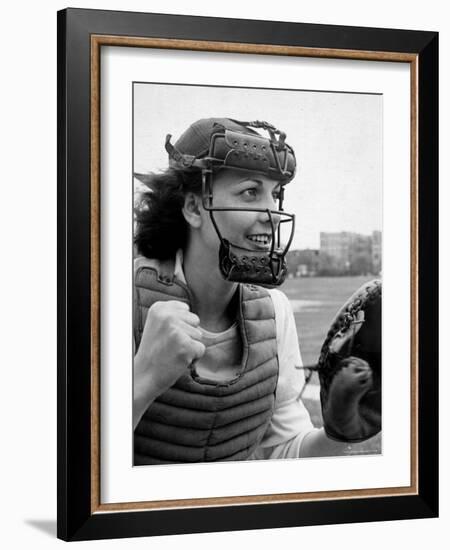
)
(249, 193)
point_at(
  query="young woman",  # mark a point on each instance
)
(216, 366)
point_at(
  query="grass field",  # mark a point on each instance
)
(315, 301)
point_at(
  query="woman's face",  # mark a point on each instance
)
(248, 230)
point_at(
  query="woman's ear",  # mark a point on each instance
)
(191, 209)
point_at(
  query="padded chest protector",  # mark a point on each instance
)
(200, 420)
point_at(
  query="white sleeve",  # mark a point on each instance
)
(290, 421)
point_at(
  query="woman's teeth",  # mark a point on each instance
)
(262, 239)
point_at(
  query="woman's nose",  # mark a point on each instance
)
(269, 216)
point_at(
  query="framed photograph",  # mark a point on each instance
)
(247, 274)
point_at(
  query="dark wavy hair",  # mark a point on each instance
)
(160, 225)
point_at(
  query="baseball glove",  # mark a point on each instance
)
(349, 368)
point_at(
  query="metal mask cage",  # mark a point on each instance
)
(272, 263)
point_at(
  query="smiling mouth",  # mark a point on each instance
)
(261, 241)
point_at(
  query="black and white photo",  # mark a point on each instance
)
(257, 236)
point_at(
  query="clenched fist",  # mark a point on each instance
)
(170, 342)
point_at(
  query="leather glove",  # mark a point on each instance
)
(349, 368)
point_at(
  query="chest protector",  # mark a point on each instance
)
(197, 419)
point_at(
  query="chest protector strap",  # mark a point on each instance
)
(197, 419)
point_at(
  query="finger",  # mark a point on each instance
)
(198, 349)
(190, 318)
(178, 305)
(191, 331)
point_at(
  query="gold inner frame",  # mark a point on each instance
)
(97, 41)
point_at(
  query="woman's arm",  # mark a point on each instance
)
(317, 443)
(144, 389)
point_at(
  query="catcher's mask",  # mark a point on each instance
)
(213, 144)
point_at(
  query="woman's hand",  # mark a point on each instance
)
(170, 342)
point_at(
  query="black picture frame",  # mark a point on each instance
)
(79, 517)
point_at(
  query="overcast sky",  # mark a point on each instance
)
(337, 138)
